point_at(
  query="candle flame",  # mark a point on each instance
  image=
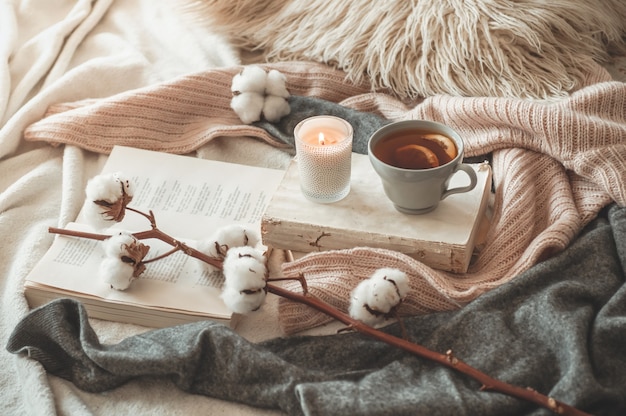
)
(321, 139)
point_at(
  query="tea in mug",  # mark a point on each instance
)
(415, 149)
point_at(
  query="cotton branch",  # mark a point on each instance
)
(447, 359)
(154, 232)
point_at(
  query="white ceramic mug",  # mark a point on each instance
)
(418, 190)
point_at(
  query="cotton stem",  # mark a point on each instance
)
(448, 359)
(145, 235)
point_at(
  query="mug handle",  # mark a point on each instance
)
(473, 180)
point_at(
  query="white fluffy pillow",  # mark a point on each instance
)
(524, 48)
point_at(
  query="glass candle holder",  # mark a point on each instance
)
(324, 157)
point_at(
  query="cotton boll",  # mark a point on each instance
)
(374, 298)
(96, 216)
(124, 183)
(237, 235)
(127, 184)
(276, 84)
(252, 78)
(247, 251)
(399, 278)
(114, 272)
(275, 108)
(359, 308)
(103, 187)
(109, 187)
(248, 106)
(211, 248)
(243, 302)
(245, 274)
(244, 269)
(115, 190)
(387, 289)
(116, 245)
(230, 236)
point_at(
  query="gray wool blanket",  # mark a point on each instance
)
(559, 328)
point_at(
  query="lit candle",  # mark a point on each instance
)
(324, 156)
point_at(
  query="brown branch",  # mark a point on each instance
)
(150, 217)
(300, 279)
(144, 235)
(162, 256)
(81, 234)
(448, 359)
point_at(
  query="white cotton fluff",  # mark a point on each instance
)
(275, 108)
(251, 79)
(374, 297)
(248, 106)
(237, 235)
(230, 236)
(241, 302)
(114, 272)
(388, 288)
(358, 305)
(95, 216)
(108, 187)
(126, 182)
(248, 251)
(244, 268)
(276, 84)
(115, 246)
(258, 94)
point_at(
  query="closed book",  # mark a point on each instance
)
(443, 238)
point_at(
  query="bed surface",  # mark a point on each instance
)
(78, 77)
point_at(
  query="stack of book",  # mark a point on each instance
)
(443, 239)
(191, 198)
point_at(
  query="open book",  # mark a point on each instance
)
(443, 239)
(190, 199)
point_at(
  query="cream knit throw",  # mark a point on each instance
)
(555, 166)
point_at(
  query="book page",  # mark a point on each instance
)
(190, 198)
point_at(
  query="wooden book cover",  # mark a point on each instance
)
(443, 239)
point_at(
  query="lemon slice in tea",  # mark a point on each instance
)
(445, 143)
(414, 156)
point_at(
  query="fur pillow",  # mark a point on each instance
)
(522, 48)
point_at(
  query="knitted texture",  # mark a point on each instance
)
(555, 166)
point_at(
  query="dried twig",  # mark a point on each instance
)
(447, 359)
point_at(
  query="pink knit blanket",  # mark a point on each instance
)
(555, 166)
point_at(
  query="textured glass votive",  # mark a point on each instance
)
(324, 157)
